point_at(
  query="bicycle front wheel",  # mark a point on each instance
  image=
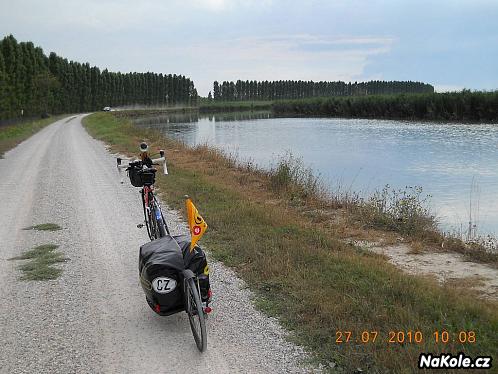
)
(148, 220)
(161, 222)
(158, 216)
(196, 314)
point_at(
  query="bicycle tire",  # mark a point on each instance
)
(154, 232)
(159, 222)
(162, 225)
(165, 224)
(196, 314)
(153, 225)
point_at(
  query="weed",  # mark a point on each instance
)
(404, 211)
(44, 227)
(291, 177)
(416, 248)
(40, 267)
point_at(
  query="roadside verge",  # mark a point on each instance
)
(12, 135)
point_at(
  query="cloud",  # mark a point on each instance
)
(212, 4)
(448, 88)
(223, 5)
(282, 57)
(269, 39)
(89, 15)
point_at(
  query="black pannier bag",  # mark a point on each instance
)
(196, 261)
(160, 266)
(139, 177)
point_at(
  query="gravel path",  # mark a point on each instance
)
(94, 318)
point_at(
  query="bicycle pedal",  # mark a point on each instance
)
(140, 225)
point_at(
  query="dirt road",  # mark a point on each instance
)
(94, 318)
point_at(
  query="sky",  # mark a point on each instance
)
(449, 44)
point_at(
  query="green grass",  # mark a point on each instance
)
(303, 274)
(45, 227)
(12, 135)
(40, 267)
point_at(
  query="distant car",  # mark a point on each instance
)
(107, 109)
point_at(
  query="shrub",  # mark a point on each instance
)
(404, 210)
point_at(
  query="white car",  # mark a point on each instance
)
(107, 109)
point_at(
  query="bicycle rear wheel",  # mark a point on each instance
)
(196, 314)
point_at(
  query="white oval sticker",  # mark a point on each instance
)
(163, 285)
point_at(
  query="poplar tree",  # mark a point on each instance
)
(35, 83)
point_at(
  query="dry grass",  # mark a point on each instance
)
(467, 283)
(416, 248)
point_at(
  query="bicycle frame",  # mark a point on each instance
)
(153, 214)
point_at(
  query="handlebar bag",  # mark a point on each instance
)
(135, 176)
(160, 265)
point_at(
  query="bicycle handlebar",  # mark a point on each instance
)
(155, 161)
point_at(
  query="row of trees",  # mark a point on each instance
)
(254, 90)
(32, 84)
(460, 106)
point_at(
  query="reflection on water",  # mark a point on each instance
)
(167, 118)
(455, 163)
(178, 118)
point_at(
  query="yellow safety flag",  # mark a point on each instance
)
(196, 223)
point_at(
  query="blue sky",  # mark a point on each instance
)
(450, 44)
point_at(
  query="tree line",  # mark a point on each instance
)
(32, 83)
(452, 106)
(289, 89)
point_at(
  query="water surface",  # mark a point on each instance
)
(455, 163)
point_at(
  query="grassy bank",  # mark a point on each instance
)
(455, 106)
(12, 135)
(291, 255)
(206, 106)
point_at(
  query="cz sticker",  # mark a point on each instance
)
(163, 285)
